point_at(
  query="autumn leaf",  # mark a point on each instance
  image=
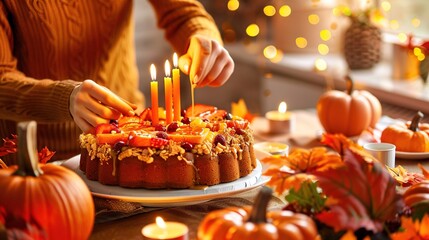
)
(403, 177)
(45, 155)
(308, 198)
(365, 192)
(425, 172)
(288, 172)
(9, 145)
(410, 230)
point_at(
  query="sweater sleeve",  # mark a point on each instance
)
(23, 97)
(183, 18)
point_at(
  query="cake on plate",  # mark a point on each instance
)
(206, 147)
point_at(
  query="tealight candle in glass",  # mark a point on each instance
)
(165, 230)
(279, 121)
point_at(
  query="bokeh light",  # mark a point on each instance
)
(270, 52)
(301, 42)
(252, 30)
(313, 19)
(233, 5)
(386, 6)
(325, 34)
(320, 64)
(394, 24)
(402, 37)
(416, 22)
(285, 11)
(269, 10)
(323, 49)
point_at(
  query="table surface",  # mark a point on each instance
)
(306, 132)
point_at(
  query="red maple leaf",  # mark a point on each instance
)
(45, 155)
(9, 146)
(365, 192)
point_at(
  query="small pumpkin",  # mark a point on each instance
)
(350, 112)
(416, 194)
(43, 201)
(407, 139)
(257, 223)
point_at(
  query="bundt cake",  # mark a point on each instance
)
(207, 147)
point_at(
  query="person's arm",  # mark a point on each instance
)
(25, 98)
(194, 35)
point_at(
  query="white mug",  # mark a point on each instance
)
(384, 152)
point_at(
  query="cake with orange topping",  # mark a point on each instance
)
(207, 147)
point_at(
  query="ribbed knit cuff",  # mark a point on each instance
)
(64, 89)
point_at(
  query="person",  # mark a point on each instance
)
(70, 65)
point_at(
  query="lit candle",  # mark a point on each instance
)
(176, 89)
(165, 230)
(168, 94)
(280, 121)
(154, 95)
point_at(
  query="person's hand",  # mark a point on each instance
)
(206, 62)
(92, 104)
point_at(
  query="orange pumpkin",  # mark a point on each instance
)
(416, 194)
(257, 223)
(52, 201)
(350, 112)
(407, 139)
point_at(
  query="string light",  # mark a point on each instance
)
(252, 30)
(270, 52)
(233, 5)
(394, 24)
(301, 42)
(313, 19)
(325, 34)
(386, 6)
(285, 11)
(416, 22)
(320, 64)
(269, 10)
(402, 37)
(323, 49)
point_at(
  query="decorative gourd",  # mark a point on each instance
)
(350, 112)
(256, 223)
(417, 193)
(43, 201)
(407, 139)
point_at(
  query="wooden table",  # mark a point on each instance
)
(306, 131)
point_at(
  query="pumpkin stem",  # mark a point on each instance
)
(349, 85)
(259, 209)
(414, 126)
(28, 160)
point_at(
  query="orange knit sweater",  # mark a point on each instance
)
(47, 47)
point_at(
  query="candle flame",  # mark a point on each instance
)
(282, 107)
(160, 222)
(167, 68)
(152, 71)
(175, 60)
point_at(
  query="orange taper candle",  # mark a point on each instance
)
(176, 89)
(154, 95)
(168, 94)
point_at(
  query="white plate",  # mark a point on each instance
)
(412, 155)
(168, 198)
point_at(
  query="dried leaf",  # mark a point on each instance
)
(45, 155)
(288, 172)
(412, 229)
(10, 145)
(365, 191)
(403, 177)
